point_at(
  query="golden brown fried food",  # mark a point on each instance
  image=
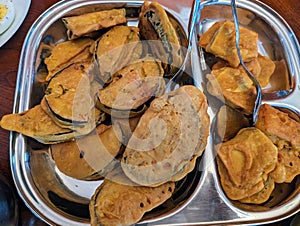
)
(133, 86)
(116, 49)
(263, 195)
(123, 204)
(68, 98)
(235, 86)
(90, 157)
(37, 124)
(78, 26)
(66, 53)
(248, 158)
(172, 131)
(261, 67)
(284, 132)
(222, 43)
(154, 24)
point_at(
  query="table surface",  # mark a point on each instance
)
(9, 61)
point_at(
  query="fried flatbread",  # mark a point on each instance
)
(172, 131)
(122, 204)
(78, 26)
(37, 124)
(248, 158)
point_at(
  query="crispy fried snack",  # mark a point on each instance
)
(220, 41)
(133, 86)
(125, 204)
(244, 163)
(284, 132)
(37, 124)
(94, 153)
(235, 86)
(116, 49)
(170, 134)
(78, 26)
(261, 67)
(66, 53)
(68, 99)
(154, 24)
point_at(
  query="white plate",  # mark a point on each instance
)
(21, 9)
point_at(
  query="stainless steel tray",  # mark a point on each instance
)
(199, 199)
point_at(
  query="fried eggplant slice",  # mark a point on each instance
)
(172, 131)
(284, 132)
(81, 25)
(233, 86)
(66, 53)
(133, 86)
(223, 45)
(37, 124)
(247, 159)
(90, 157)
(114, 203)
(69, 99)
(154, 24)
(116, 49)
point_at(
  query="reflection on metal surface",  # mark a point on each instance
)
(199, 199)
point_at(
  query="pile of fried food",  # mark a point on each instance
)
(105, 115)
(251, 160)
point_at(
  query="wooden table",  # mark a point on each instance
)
(9, 61)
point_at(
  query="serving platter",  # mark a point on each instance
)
(60, 200)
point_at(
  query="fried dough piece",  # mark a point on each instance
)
(134, 85)
(235, 192)
(261, 67)
(37, 124)
(94, 153)
(248, 158)
(122, 204)
(284, 132)
(235, 86)
(69, 100)
(172, 131)
(222, 43)
(208, 36)
(154, 24)
(66, 53)
(267, 68)
(263, 195)
(84, 24)
(117, 48)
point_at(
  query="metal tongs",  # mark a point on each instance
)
(195, 13)
(258, 100)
